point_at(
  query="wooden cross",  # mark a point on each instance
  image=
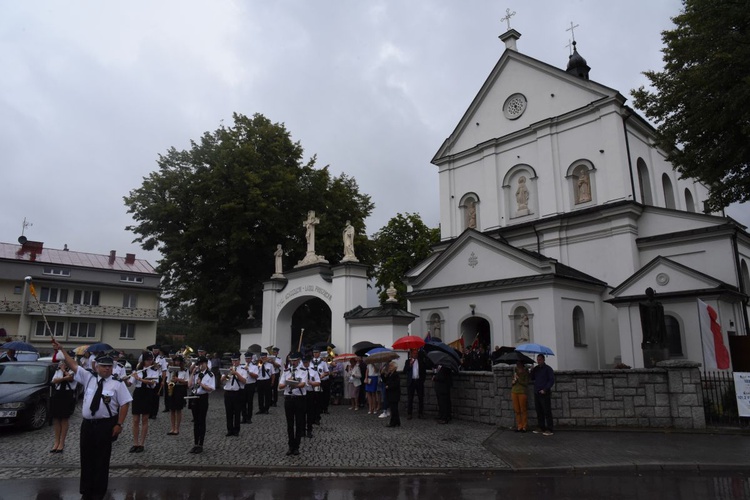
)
(571, 30)
(508, 15)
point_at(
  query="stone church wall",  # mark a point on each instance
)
(669, 396)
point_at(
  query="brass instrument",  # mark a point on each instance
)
(186, 352)
(170, 388)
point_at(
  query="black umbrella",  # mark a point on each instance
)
(444, 359)
(17, 345)
(323, 346)
(361, 348)
(255, 348)
(511, 358)
(440, 347)
(99, 347)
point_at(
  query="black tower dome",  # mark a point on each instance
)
(577, 65)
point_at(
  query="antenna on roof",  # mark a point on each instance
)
(25, 225)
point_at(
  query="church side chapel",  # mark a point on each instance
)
(557, 213)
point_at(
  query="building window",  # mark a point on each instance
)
(86, 297)
(579, 327)
(58, 295)
(668, 191)
(82, 330)
(644, 183)
(130, 301)
(689, 203)
(127, 331)
(56, 271)
(17, 290)
(58, 327)
(674, 337)
(131, 279)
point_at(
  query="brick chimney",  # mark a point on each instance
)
(112, 256)
(129, 258)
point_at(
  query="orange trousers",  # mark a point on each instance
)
(519, 407)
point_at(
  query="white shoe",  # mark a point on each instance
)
(383, 415)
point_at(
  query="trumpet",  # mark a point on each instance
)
(170, 388)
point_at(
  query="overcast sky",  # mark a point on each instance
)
(91, 92)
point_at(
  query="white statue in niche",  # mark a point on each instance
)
(522, 197)
(584, 188)
(523, 329)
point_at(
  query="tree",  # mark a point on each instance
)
(400, 245)
(699, 102)
(217, 211)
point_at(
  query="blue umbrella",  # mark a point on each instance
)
(535, 349)
(100, 347)
(377, 350)
(17, 345)
(433, 345)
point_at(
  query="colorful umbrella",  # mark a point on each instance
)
(535, 349)
(408, 342)
(381, 357)
(81, 350)
(346, 357)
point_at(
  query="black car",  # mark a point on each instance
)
(25, 393)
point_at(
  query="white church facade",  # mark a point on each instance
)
(557, 213)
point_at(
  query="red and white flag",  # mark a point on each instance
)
(715, 353)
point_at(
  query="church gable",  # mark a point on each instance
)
(475, 258)
(519, 92)
(665, 276)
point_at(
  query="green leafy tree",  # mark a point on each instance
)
(217, 211)
(699, 101)
(400, 245)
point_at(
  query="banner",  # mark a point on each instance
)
(715, 353)
(742, 389)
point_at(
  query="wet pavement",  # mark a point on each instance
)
(353, 455)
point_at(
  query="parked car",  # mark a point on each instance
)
(25, 392)
(27, 356)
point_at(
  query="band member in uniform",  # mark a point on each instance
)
(252, 369)
(312, 389)
(161, 361)
(234, 394)
(118, 369)
(277, 367)
(62, 404)
(265, 373)
(105, 408)
(202, 352)
(323, 394)
(145, 399)
(293, 381)
(202, 382)
(176, 392)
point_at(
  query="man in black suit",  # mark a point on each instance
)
(416, 372)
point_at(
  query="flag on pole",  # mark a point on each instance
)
(475, 344)
(32, 289)
(715, 353)
(458, 344)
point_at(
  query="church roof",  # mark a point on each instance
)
(385, 311)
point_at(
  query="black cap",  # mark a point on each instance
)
(306, 358)
(147, 356)
(275, 349)
(202, 359)
(201, 349)
(316, 349)
(105, 361)
(248, 354)
(235, 355)
(179, 359)
(263, 354)
(294, 355)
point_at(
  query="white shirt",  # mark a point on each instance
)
(414, 369)
(64, 385)
(119, 371)
(152, 371)
(268, 371)
(251, 369)
(300, 373)
(114, 395)
(207, 380)
(233, 383)
(321, 366)
(313, 376)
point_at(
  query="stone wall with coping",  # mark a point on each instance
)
(667, 396)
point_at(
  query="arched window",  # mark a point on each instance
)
(745, 276)
(644, 183)
(470, 211)
(674, 337)
(579, 327)
(689, 203)
(668, 191)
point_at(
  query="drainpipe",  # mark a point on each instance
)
(740, 280)
(538, 243)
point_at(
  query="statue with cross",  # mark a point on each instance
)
(310, 257)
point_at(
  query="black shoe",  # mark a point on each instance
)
(140, 449)
(230, 433)
(192, 450)
(290, 452)
(309, 434)
(295, 452)
(152, 417)
(245, 421)
(165, 411)
(517, 430)
(133, 449)
(420, 416)
(408, 417)
(199, 449)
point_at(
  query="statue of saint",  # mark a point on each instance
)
(584, 188)
(278, 266)
(523, 329)
(522, 194)
(652, 322)
(309, 225)
(349, 244)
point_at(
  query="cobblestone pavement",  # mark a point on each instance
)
(346, 442)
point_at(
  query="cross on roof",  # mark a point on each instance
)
(572, 33)
(570, 47)
(508, 15)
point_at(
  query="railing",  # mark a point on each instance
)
(720, 401)
(82, 310)
(11, 306)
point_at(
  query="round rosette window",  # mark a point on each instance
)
(514, 106)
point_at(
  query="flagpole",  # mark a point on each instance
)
(301, 334)
(32, 290)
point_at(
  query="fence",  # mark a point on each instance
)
(719, 400)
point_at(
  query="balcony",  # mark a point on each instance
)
(11, 306)
(85, 311)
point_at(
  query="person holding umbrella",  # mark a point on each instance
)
(443, 380)
(7, 356)
(518, 393)
(544, 378)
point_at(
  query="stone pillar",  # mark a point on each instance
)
(685, 393)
